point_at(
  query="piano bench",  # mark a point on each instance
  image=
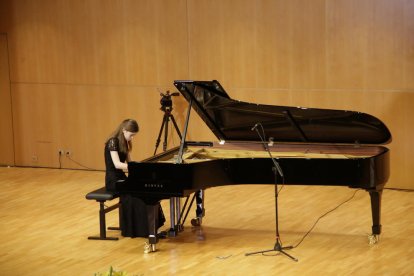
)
(102, 195)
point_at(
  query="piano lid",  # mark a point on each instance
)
(233, 120)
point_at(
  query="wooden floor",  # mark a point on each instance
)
(45, 222)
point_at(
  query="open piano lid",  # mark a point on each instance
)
(233, 120)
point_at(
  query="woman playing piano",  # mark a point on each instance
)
(134, 219)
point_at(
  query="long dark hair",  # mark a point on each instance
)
(128, 125)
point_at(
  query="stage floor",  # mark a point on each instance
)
(45, 222)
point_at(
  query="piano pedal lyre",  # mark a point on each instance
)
(373, 239)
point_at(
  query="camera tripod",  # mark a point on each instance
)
(175, 205)
(164, 126)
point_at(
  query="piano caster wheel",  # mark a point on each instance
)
(196, 221)
(149, 247)
(373, 239)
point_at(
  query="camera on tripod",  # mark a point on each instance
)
(166, 101)
(166, 106)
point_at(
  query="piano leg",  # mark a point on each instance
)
(376, 215)
(173, 211)
(178, 226)
(175, 217)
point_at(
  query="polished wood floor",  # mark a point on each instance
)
(45, 222)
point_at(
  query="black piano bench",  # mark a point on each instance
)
(102, 195)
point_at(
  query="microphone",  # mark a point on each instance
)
(255, 126)
(271, 142)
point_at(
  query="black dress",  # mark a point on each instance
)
(133, 214)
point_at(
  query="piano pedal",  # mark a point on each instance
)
(149, 247)
(373, 239)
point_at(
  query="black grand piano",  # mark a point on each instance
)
(312, 147)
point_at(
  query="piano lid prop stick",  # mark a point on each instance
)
(181, 151)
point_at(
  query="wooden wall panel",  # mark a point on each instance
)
(98, 42)
(408, 50)
(307, 51)
(88, 64)
(239, 43)
(6, 120)
(386, 46)
(347, 34)
(80, 119)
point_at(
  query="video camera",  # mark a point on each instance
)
(166, 101)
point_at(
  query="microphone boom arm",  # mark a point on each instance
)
(275, 163)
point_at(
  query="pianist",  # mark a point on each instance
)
(134, 218)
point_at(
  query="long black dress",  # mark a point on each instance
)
(133, 220)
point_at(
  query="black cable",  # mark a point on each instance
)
(60, 160)
(400, 190)
(280, 189)
(310, 230)
(79, 164)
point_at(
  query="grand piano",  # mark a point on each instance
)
(312, 147)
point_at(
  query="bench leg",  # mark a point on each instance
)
(120, 216)
(102, 222)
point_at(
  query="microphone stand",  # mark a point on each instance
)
(276, 170)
